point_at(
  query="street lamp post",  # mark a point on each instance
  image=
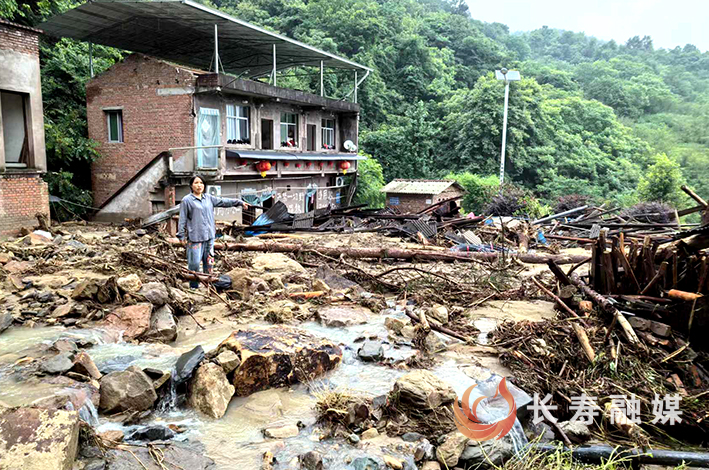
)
(508, 76)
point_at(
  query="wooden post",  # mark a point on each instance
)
(169, 194)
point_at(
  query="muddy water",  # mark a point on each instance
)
(236, 440)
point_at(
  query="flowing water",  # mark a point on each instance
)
(236, 440)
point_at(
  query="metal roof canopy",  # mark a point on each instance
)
(182, 31)
(413, 186)
(286, 156)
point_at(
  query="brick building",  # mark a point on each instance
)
(160, 117)
(23, 192)
(415, 195)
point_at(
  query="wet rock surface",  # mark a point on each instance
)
(338, 316)
(130, 389)
(38, 439)
(162, 325)
(423, 390)
(371, 351)
(210, 390)
(187, 363)
(133, 320)
(151, 433)
(278, 356)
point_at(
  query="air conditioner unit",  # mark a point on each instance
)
(339, 181)
(215, 191)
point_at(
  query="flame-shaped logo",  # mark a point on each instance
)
(470, 426)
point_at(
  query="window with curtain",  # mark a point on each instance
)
(208, 134)
(115, 125)
(328, 133)
(237, 124)
(289, 130)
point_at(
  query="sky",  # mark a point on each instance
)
(670, 23)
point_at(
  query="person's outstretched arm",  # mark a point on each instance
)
(228, 202)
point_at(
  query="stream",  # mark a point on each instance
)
(236, 440)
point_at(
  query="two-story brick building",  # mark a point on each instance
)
(23, 193)
(160, 118)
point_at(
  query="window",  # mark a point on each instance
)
(328, 133)
(289, 130)
(394, 201)
(115, 125)
(237, 124)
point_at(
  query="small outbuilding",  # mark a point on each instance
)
(413, 195)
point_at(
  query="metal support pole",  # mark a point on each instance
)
(274, 66)
(355, 88)
(504, 135)
(216, 49)
(91, 59)
(322, 83)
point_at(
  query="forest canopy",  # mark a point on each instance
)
(589, 117)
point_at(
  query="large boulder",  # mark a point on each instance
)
(130, 389)
(187, 363)
(155, 292)
(277, 356)
(130, 284)
(190, 455)
(276, 263)
(38, 439)
(450, 450)
(133, 320)
(423, 390)
(162, 325)
(84, 365)
(58, 364)
(343, 315)
(487, 454)
(210, 390)
(87, 289)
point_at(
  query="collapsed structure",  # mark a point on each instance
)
(159, 123)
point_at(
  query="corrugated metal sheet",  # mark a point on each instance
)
(280, 155)
(182, 31)
(402, 186)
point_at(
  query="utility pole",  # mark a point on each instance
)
(508, 76)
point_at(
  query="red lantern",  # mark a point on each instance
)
(263, 167)
(243, 163)
(286, 164)
(329, 163)
(297, 165)
(344, 166)
(308, 164)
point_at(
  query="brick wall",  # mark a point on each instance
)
(19, 39)
(409, 202)
(156, 102)
(21, 197)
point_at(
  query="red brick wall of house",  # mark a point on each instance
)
(22, 196)
(19, 39)
(152, 122)
(409, 202)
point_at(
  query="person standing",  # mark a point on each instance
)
(196, 229)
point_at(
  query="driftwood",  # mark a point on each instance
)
(390, 253)
(585, 343)
(561, 303)
(435, 326)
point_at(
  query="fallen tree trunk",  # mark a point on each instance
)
(431, 325)
(392, 253)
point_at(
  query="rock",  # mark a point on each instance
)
(424, 451)
(339, 316)
(431, 465)
(336, 282)
(320, 286)
(541, 431)
(423, 390)
(449, 452)
(65, 345)
(391, 462)
(433, 342)
(228, 360)
(6, 257)
(488, 453)
(63, 310)
(210, 390)
(84, 365)
(370, 433)
(371, 351)
(277, 356)
(155, 292)
(161, 380)
(312, 460)
(151, 433)
(38, 439)
(282, 432)
(284, 310)
(58, 364)
(440, 313)
(276, 262)
(162, 325)
(365, 463)
(45, 297)
(576, 431)
(17, 267)
(115, 435)
(5, 321)
(134, 320)
(95, 464)
(87, 289)
(130, 389)
(240, 281)
(412, 437)
(408, 332)
(130, 284)
(191, 456)
(353, 438)
(394, 325)
(187, 363)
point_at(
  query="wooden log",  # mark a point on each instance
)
(620, 253)
(558, 300)
(441, 329)
(682, 295)
(560, 275)
(605, 304)
(391, 253)
(585, 343)
(307, 295)
(660, 273)
(694, 196)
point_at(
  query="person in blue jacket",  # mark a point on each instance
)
(196, 229)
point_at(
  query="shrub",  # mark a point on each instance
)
(572, 201)
(515, 201)
(370, 179)
(61, 185)
(479, 190)
(650, 212)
